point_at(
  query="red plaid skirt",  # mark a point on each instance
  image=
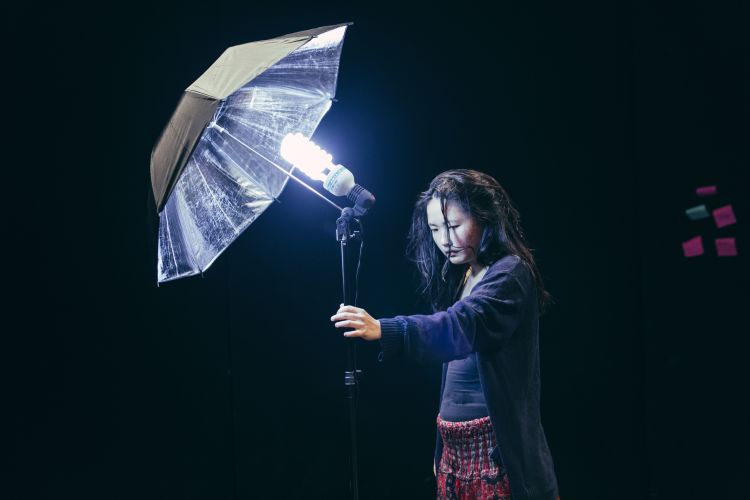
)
(466, 470)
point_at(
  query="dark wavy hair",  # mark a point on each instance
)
(485, 199)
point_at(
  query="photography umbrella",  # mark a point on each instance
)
(217, 166)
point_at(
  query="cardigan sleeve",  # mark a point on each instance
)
(480, 321)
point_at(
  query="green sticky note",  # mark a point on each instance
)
(697, 213)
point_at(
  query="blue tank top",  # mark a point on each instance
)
(463, 398)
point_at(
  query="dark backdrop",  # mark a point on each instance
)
(600, 119)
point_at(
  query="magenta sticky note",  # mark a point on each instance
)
(706, 191)
(724, 216)
(693, 247)
(726, 247)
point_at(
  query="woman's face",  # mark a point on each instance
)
(458, 237)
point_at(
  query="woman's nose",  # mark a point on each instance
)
(444, 239)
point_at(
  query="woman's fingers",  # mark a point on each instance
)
(348, 323)
(346, 315)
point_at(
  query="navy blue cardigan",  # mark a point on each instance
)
(499, 320)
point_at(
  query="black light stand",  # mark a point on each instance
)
(363, 200)
(345, 235)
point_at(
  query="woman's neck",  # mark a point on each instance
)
(476, 268)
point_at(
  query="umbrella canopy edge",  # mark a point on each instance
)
(240, 64)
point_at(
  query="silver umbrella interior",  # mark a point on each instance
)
(236, 171)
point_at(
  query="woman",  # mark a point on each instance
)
(481, 279)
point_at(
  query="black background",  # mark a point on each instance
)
(599, 118)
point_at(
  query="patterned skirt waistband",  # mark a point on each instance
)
(467, 447)
(465, 429)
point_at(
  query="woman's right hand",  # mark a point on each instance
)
(365, 326)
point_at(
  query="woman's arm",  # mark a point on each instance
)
(479, 321)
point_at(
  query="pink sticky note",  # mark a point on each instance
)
(724, 216)
(693, 247)
(726, 247)
(706, 191)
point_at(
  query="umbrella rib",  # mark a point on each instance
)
(191, 253)
(169, 236)
(288, 174)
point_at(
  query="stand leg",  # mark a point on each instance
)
(350, 381)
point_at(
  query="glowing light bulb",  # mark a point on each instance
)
(307, 156)
(317, 164)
